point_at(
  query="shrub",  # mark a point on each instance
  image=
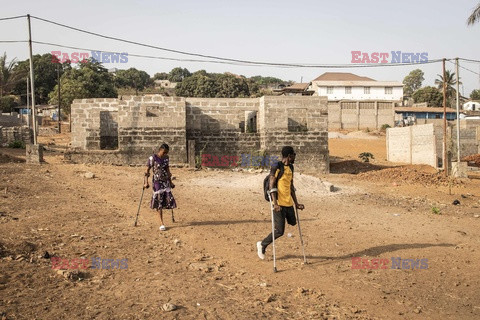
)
(366, 156)
(17, 144)
(385, 127)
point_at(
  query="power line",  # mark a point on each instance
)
(465, 67)
(249, 62)
(11, 18)
(12, 41)
(139, 55)
(208, 61)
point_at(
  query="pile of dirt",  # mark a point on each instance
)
(353, 167)
(423, 175)
(474, 159)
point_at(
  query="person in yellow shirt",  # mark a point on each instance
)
(283, 200)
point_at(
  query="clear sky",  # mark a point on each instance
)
(320, 32)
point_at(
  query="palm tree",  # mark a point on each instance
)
(475, 16)
(450, 81)
(8, 77)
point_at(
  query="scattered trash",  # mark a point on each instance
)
(456, 202)
(289, 235)
(396, 214)
(89, 175)
(46, 255)
(169, 307)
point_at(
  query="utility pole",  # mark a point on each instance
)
(445, 160)
(458, 114)
(34, 112)
(28, 104)
(58, 77)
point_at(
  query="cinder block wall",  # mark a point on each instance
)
(145, 122)
(311, 144)
(414, 145)
(131, 126)
(12, 134)
(139, 123)
(218, 125)
(359, 115)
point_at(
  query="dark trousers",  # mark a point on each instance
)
(285, 213)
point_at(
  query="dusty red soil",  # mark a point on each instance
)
(206, 263)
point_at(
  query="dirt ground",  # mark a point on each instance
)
(206, 263)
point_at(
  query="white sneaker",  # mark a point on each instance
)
(260, 252)
(162, 228)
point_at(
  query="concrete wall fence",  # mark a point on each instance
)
(423, 144)
(124, 131)
(360, 115)
(12, 134)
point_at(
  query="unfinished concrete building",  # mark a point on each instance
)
(125, 130)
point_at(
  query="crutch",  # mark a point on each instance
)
(301, 238)
(273, 227)
(140, 203)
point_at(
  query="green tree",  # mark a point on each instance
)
(475, 95)
(45, 74)
(267, 81)
(8, 78)
(450, 81)
(197, 86)
(232, 86)
(133, 78)
(89, 80)
(475, 16)
(431, 95)
(413, 81)
(160, 76)
(7, 103)
(178, 74)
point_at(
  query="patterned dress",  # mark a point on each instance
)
(162, 197)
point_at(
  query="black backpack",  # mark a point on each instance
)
(266, 181)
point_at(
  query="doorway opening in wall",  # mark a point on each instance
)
(250, 124)
(108, 130)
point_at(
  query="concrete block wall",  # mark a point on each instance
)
(311, 145)
(142, 123)
(360, 115)
(11, 134)
(145, 122)
(86, 121)
(413, 145)
(218, 125)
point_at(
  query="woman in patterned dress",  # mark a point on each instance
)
(162, 197)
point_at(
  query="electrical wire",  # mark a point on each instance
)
(248, 62)
(201, 61)
(11, 18)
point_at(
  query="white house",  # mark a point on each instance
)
(349, 86)
(471, 105)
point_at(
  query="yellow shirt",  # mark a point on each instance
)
(284, 196)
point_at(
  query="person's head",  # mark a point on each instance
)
(288, 152)
(163, 150)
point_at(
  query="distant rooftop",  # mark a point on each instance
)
(341, 76)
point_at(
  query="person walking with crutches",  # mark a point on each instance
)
(282, 200)
(162, 184)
